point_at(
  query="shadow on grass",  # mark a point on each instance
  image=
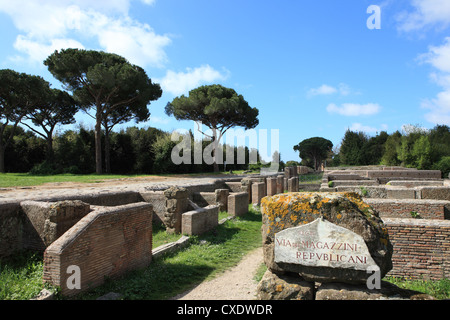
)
(177, 272)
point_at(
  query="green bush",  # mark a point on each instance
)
(44, 168)
(444, 166)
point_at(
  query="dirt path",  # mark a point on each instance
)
(234, 284)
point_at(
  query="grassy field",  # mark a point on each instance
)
(27, 180)
(8, 180)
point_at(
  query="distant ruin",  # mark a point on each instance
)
(109, 231)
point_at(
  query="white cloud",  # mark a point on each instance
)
(148, 2)
(322, 90)
(439, 107)
(39, 51)
(354, 109)
(68, 23)
(427, 13)
(359, 127)
(159, 120)
(325, 89)
(178, 83)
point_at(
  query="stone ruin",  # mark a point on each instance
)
(322, 246)
(109, 232)
(64, 225)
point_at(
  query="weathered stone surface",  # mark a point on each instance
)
(284, 287)
(44, 295)
(323, 251)
(346, 210)
(177, 202)
(388, 291)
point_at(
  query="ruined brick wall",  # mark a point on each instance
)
(105, 243)
(402, 208)
(421, 248)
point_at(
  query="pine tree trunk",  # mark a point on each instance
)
(98, 144)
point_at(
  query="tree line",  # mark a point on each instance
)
(133, 151)
(112, 91)
(413, 147)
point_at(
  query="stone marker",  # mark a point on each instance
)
(324, 237)
(314, 248)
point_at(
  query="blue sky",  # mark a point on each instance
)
(312, 68)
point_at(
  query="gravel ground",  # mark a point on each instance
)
(236, 283)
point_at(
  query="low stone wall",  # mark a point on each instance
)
(47, 221)
(438, 193)
(339, 183)
(201, 220)
(385, 175)
(105, 243)
(238, 204)
(405, 208)
(421, 248)
(377, 192)
(416, 183)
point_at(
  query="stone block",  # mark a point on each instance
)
(201, 220)
(258, 192)
(177, 202)
(293, 184)
(284, 287)
(221, 198)
(314, 252)
(238, 204)
(280, 184)
(271, 186)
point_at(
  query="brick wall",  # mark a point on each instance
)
(105, 243)
(402, 208)
(421, 248)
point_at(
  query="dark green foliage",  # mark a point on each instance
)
(444, 166)
(113, 88)
(216, 107)
(415, 147)
(20, 93)
(313, 151)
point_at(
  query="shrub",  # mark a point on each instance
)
(444, 166)
(44, 168)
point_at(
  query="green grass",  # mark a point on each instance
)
(207, 256)
(440, 289)
(8, 180)
(312, 178)
(21, 276)
(26, 180)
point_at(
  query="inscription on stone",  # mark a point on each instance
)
(323, 244)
